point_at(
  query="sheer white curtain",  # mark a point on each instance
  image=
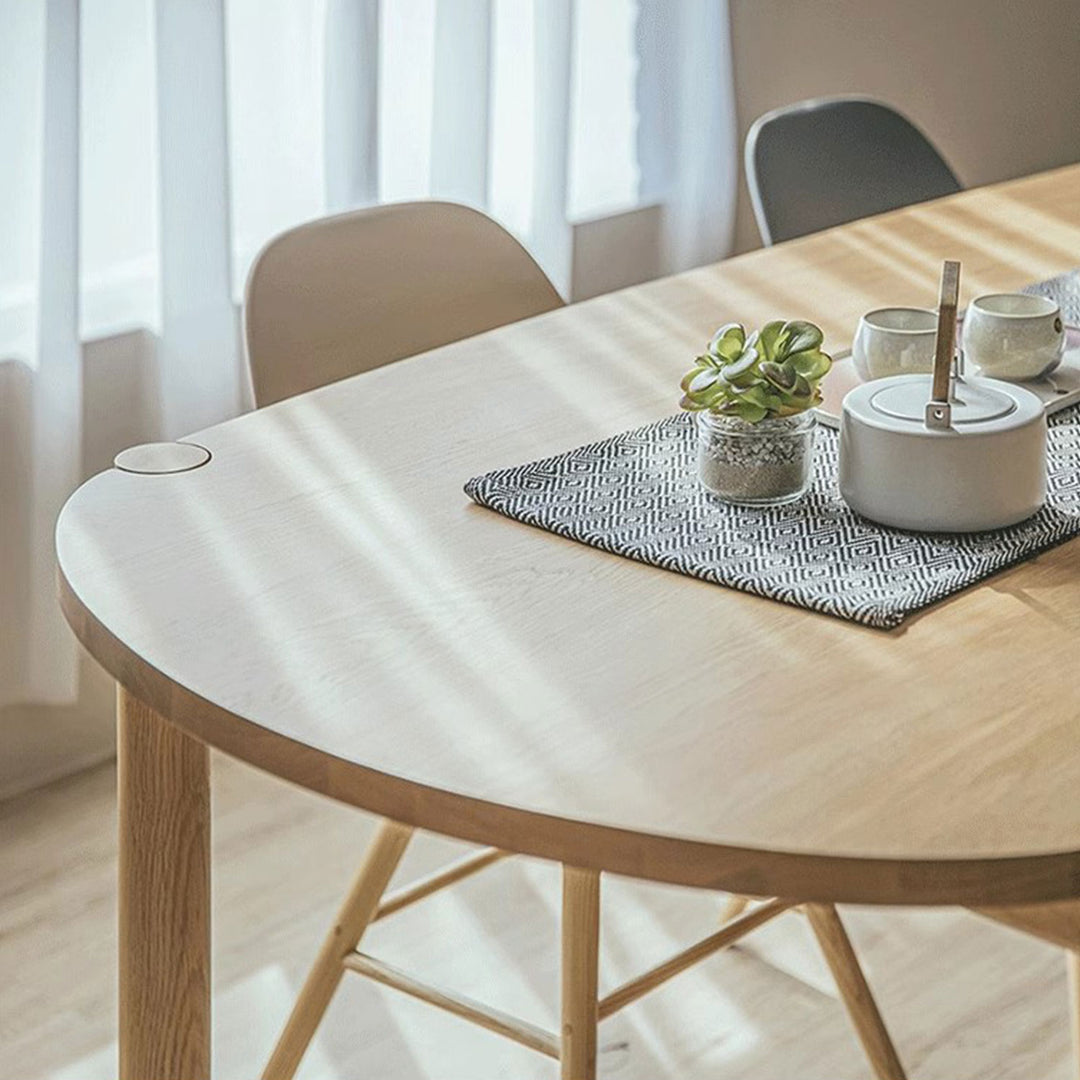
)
(40, 404)
(157, 144)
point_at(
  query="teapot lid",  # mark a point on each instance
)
(978, 406)
(971, 403)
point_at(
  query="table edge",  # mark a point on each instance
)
(983, 881)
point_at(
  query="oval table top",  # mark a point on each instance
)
(320, 599)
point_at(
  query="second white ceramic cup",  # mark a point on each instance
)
(894, 341)
(1014, 336)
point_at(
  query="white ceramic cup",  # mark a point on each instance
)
(1014, 336)
(894, 341)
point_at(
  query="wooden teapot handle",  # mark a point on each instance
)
(946, 329)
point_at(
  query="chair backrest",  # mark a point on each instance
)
(820, 163)
(352, 292)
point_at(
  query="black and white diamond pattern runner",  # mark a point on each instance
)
(637, 495)
(1065, 291)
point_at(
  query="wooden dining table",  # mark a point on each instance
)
(307, 588)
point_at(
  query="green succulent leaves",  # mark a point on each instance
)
(802, 335)
(780, 377)
(727, 343)
(773, 372)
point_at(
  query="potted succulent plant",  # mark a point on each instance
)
(755, 397)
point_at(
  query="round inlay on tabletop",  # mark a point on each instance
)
(162, 457)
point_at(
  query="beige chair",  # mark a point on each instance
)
(347, 294)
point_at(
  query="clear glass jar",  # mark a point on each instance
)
(762, 464)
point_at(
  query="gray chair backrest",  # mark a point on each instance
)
(821, 163)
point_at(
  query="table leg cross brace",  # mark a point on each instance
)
(582, 1009)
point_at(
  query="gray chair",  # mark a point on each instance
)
(824, 162)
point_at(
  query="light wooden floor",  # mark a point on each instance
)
(964, 998)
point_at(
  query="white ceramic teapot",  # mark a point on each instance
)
(943, 453)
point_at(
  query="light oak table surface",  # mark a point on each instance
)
(320, 599)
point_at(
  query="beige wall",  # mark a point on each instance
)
(994, 83)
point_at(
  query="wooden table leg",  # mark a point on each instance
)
(164, 897)
(580, 972)
(734, 907)
(1072, 960)
(858, 1000)
(354, 917)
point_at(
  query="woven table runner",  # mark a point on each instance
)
(637, 495)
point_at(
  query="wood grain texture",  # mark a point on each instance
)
(322, 601)
(164, 897)
(855, 991)
(354, 916)
(580, 973)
